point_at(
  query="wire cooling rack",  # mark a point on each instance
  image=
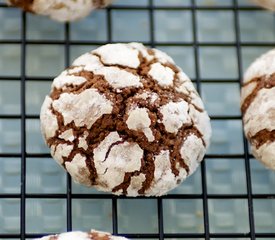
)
(231, 196)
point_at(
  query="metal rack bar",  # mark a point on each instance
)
(246, 151)
(23, 127)
(69, 181)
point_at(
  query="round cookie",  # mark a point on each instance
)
(269, 4)
(60, 10)
(258, 108)
(125, 119)
(77, 235)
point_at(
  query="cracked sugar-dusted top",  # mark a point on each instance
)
(257, 105)
(60, 10)
(125, 119)
(77, 235)
(269, 4)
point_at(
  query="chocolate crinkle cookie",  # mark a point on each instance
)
(269, 4)
(125, 119)
(60, 10)
(258, 108)
(93, 235)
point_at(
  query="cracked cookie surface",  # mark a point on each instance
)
(258, 109)
(125, 119)
(77, 235)
(60, 10)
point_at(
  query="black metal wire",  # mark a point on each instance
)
(198, 85)
(109, 196)
(204, 196)
(23, 127)
(69, 181)
(246, 151)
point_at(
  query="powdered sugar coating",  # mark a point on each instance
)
(113, 157)
(163, 175)
(68, 135)
(265, 154)
(118, 54)
(78, 170)
(257, 101)
(61, 10)
(119, 78)
(78, 235)
(175, 115)
(200, 121)
(136, 184)
(129, 121)
(269, 4)
(64, 80)
(192, 150)
(139, 119)
(264, 119)
(61, 151)
(88, 62)
(82, 143)
(264, 65)
(163, 75)
(84, 108)
(49, 123)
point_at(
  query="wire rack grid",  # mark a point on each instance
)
(231, 196)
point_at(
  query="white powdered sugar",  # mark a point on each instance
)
(136, 184)
(143, 50)
(72, 70)
(64, 10)
(88, 62)
(202, 122)
(265, 154)
(264, 106)
(164, 179)
(64, 80)
(60, 151)
(113, 157)
(68, 135)
(84, 108)
(138, 119)
(163, 75)
(48, 120)
(175, 114)
(69, 236)
(77, 235)
(101, 151)
(78, 169)
(119, 78)
(83, 141)
(118, 54)
(192, 151)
